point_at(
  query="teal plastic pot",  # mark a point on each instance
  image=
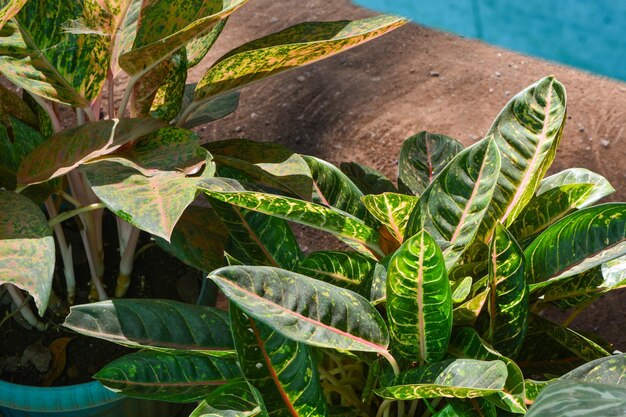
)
(83, 400)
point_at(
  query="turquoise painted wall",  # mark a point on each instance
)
(588, 34)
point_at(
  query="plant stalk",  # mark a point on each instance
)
(66, 253)
(126, 263)
(126, 97)
(24, 309)
(71, 213)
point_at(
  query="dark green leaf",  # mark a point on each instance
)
(344, 269)
(367, 179)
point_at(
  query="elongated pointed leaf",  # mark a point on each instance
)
(42, 52)
(9, 9)
(287, 375)
(374, 286)
(392, 210)
(309, 214)
(332, 317)
(154, 324)
(422, 158)
(13, 105)
(198, 239)
(333, 188)
(68, 149)
(460, 378)
(237, 398)
(292, 47)
(157, 22)
(197, 49)
(173, 377)
(267, 164)
(466, 314)
(466, 343)
(419, 300)
(527, 133)
(543, 355)
(577, 243)
(367, 179)
(549, 207)
(26, 247)
(343, 269)
(574, 291)
(453, 205)
(582, 346)
(601, 187)
(508, 304)
(212, 110)
(461, 290)
(168, 98)
(578, 399)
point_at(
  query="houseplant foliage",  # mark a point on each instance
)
(135, 157)
(436, 308)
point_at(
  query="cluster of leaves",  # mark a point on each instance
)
(145, 168)
(435, 310)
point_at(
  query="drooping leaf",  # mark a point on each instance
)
(198, 239)
(192, 21)
(71, 147)
(601, 187)
(577, 243)
(367, 179)
(287, 375)
(309, 214)
(26, 248)
(582, 346)
(466, 343)
(167, 376)
(265, 163)
(392, 210)
(60, 51)
(292, 47)
(343, 269)
(152, 323)
(527, 133)
(575, 398)
(453, 205)
(333, 188)
(235, 399)
(331, 317)
(508, 303)
(419, 300)
(422, 157)
(460, 378)
(547, 208)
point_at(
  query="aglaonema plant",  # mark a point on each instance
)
(69, 150)
(436, 308)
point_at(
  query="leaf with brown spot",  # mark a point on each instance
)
(59, 357)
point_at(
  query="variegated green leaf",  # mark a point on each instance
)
(508, 303)
(610, 370)
(601, 187)
(344, 269)
(168, 99)
(470, 407)
(235, 399)
(392, 210)
(461, 289)
(9, 8)
(422, 157)
(26, 247)
(575, 291)
(267, 164)
(68, 149)
(198, 48)
(466, 314)
(367, 179)
(543, 355)
(575, 342)
(577, 243)
(198, 239)
(614, 273)
(466, 343)
(292, 47)
(333, 188)
(374, 286)
(167, 26)
(453, 205)
(309, 214)
(460, 378)
(332, 317)
(527, 133)
(287, 375)
(546, 209)
(167, 376)
(258, 239)
(579, 399)
(11, 105)
(533, 388)
(419, 300)
(126, 32)
(58, 50)
(152, 323)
